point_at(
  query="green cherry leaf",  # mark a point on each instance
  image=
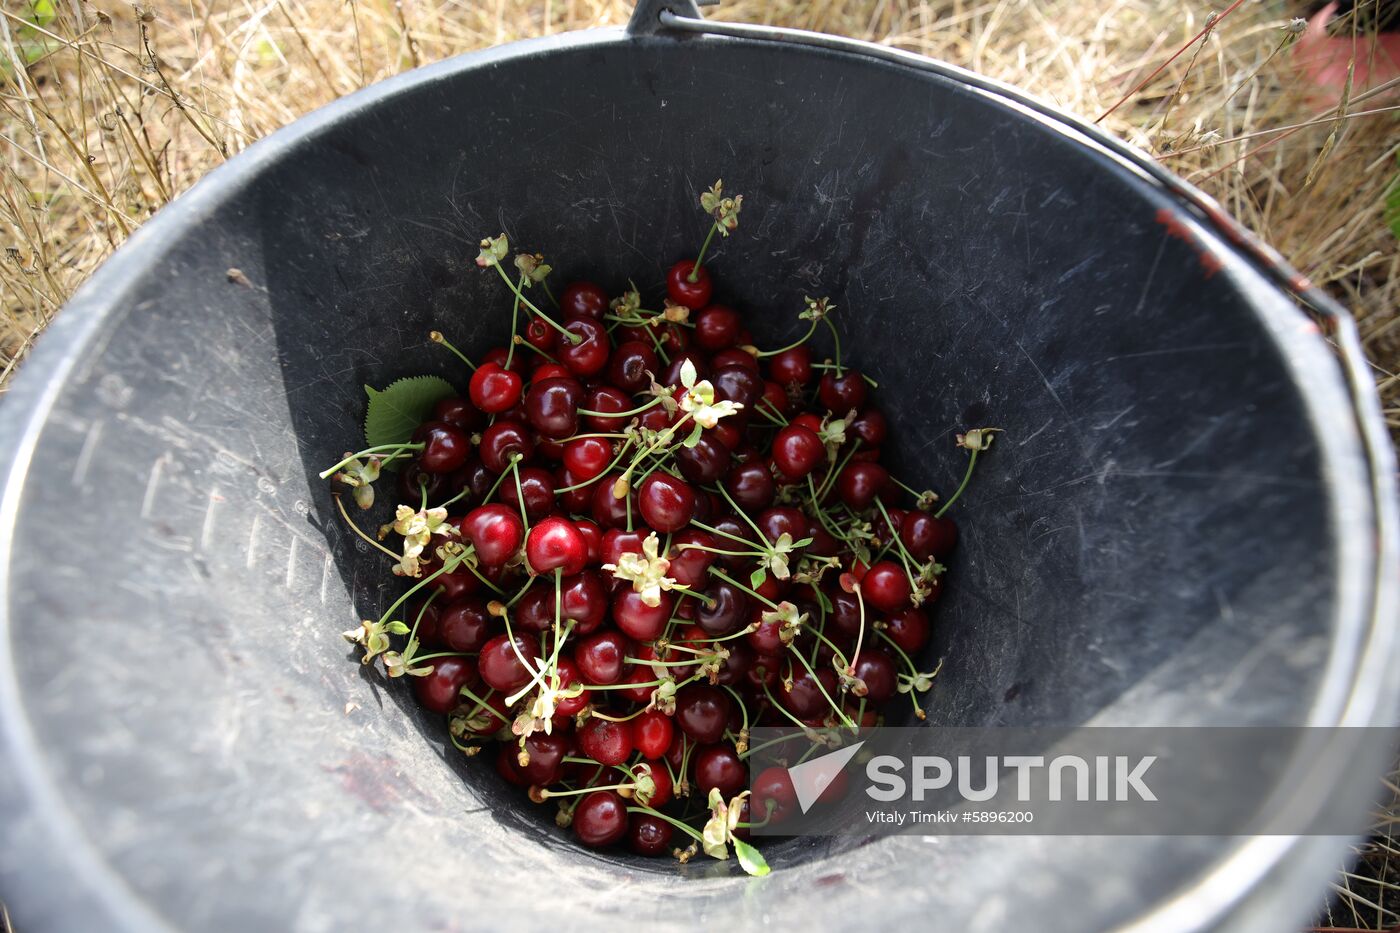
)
(693, 438)
(396, 412)
(396, 628)
(757, 577)
(750, 859)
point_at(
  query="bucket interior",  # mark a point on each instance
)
(1152, 540)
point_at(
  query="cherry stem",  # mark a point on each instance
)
(873, 383)
(547, 794)
(437, 337)
(792, 346)
(396, 448)
(514, 322)
(904, 556)
(767, 545)
(772, 414)
(971, 462)
(782, 709)
(670, 819)
(913, 492)
(623, 414)
(521, 341)
(519, 492)
(367, 539)
(754, 593)
(725, 534)
(835, 336)
(835, 471)
(774, 741)
(514, 458)
(695, 268)
(549, 293)
(447, 566)
(572, 338)
(632, 715)
(817, 680)
(743, 708)
(589, 482)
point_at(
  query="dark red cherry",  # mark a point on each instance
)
(600, 819)
(860, 483)
(569, 674)
(792, 367)
(495, 531)
(617, 541)
(632, 366)
(738, 384)
(783, 520)
(587, 457)
(547, 369)
(414, 480)
(870, 428)
(606, 399)
(886, 586)
(774, 796)
(908, 629)
(638, 620)
(667, 504)
(877, 670)
(599, 657)
(662, 790)
(845, 612)
(797, 450)
(649, 835)
(926, 536)
(704, 463)
(751, 485)
(501, 665)
(438, 691)
(445, 446)
(495, 389)
(610, 511)
(806, 699)
(459, 411)
(652, 731)
(555, 544)
(589, 355)
(605, 741)
(719, 766)
(499, 355)
(690, 565)
(502, 441)
(702, 712)
(672, 375)
(584, 299)
(575, 495)
(726, 611)
(585, 600)
(546, 753)
(464, 624)
(683, 291)
(717, 327)
(735, 357)
(840, 394)
(540, 335)
(537, 486)
(552, 406)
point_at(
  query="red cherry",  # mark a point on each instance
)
(926, 536)
(774, 795)
(464, 624)
(555, 543)
(797, 450)
(605, 741)
(498, 355)
(649, 835)
(445, 447)
(683, 291)
(569, 674)
(717, 327)
(606, 399)
(552, 406)
(877, 670)
(459, 411)
(584, 299)
(870, 428)
(886, 586)
(751, 485)
(734, 356)
(909, 630)
(690, 565)
(537, 488)
(860, 483)
(719, 766)
(632, 366)
(843, 393)
(589, 355)
(587, 457)
(501, 665)
(494, 389)
(652, 731)
(600, 819)
(611, 512)
(546, 753)
(667, 504)
(704, 463)
(540, 335)
(638, 620)
(702, 712)
(600, 657)
(662, 788)
(438, 691)
(495, 531)
(502, 441)
(617, 542)
(792, 366)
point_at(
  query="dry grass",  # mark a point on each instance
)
(107, 112)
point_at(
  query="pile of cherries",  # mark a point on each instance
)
(637, 538)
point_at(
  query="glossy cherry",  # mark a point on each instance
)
(725, 610)
(774, 795)
(495, 531)
(909, 630)
(926, 536)
(555, 543)
(600, 657)
(649, 835)
(445, 446)
(635, 619)
(717, 327)
(464, 624)
(494, 389)
(797, 450)
(751, 485)
(843, 393)
(792, 366)
(886, 586)
(719, 766)
(459, 411)
(502, 441)
(690, 565)
(877, 671)
(702, 712)
(501, 665)
(605, 741)
(693, 294)
(704, 463)
(652, 731)
(552, 406)
(439, 691)
(632, 366)
(537, 488)
(587, 457)
(860, 483)
(600, 819)
(584, 299)
(590, 354)
(667, 504)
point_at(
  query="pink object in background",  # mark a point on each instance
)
(1323, 59)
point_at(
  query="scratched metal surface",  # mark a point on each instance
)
(1157, 538)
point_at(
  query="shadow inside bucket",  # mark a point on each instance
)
(1111, 541)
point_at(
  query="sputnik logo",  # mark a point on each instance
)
(811, 778)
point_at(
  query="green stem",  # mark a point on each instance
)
(572, 337)
(971, 462)
(670, 819)
(792, 346)
(695, 269)
(437, 337)
(397, 448)
(514, 321)
(754, 593)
